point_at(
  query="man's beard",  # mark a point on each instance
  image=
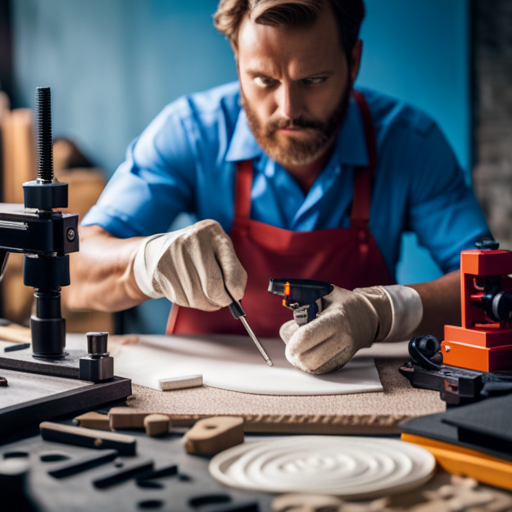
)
(289, 150)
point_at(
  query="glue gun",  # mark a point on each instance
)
(302, 296)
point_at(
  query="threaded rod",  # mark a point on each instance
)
(44, 134)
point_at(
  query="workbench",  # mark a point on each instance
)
(354, 414)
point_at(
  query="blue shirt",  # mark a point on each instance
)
(185, 161)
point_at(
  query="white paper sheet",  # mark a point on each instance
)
(234, 363)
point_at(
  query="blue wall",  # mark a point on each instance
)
(418, 51)
(113, 64)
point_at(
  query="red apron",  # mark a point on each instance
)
(346, 257)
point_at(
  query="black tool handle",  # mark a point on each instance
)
(237, 310)
(236, 307)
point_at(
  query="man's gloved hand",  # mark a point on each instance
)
(191, 267)
(351, 321)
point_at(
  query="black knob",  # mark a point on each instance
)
(97, 343)
(487, 245)
(14, 492)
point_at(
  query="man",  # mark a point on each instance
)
(309, 177)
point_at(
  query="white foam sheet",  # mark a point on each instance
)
(234, 363)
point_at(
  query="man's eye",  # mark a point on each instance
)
(263, 81)
(314, 81)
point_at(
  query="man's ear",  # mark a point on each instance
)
(357, 51)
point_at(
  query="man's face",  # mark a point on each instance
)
(295, 87)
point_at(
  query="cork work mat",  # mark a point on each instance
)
(362, 413)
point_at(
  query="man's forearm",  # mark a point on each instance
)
(101, 273)
(441, 304)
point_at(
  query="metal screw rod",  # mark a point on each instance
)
(44, 135)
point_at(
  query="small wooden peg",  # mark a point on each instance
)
(156, 424)
(213, 435)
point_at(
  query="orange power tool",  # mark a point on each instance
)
(484, 341)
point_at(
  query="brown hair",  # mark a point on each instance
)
(349, 15)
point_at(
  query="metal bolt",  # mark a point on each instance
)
(447, 348)
(44, 135)
(71, 234)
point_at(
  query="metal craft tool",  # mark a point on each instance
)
(239, 314)
(302, 296)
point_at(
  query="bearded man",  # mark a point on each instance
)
(291, 173)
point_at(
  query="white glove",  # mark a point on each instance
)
(192, 267)
(351, 321)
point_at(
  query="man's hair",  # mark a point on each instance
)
(294, 13)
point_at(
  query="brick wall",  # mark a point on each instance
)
(492, 32)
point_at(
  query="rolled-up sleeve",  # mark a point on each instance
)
(154, 183)
(443, 210)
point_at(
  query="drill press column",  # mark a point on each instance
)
(47, 271)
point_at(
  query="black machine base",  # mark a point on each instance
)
(75, 364)
(24, 361)
(86, 396)
(73, 402)
(458, 386)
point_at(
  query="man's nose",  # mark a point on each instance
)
(290, 101)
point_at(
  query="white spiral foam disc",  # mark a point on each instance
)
(349, 467)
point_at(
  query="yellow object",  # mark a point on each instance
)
(466, 462)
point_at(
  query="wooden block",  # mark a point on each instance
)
(186, 381)
(156, 424)
(125, 417)
(213, 435)
(93, 420)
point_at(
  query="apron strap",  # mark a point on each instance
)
(243, 186)
(363, 176)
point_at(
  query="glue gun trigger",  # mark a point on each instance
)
(307, 312)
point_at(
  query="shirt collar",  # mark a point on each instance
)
(350, 142)
(351, 148)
